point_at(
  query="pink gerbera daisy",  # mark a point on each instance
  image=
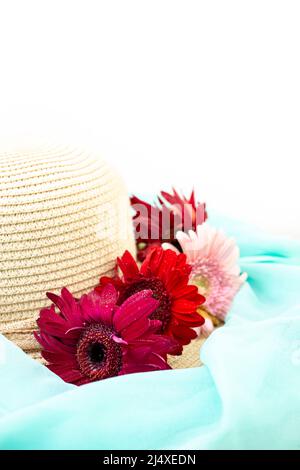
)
(215, 270)
(92, 338)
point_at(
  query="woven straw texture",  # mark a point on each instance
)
(190, 356)
(64, 218)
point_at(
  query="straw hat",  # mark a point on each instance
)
(190, 356)
(64, 218)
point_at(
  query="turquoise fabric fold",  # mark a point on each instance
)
(246, 396)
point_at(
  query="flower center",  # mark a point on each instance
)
(202, 283)
(98, 355)
(163, 311)
(96, 352)
(206, 275)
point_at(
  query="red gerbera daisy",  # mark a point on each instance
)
(92, 338)
(166, 274)
(157, 224)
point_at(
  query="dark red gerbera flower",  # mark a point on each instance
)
(166, 274)
(157, 224)
(92, 338)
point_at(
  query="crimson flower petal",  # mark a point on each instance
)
(128, 265)
(93, 338)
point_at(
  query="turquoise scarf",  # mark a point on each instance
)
(246, 396)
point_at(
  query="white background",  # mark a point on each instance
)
(203, 93)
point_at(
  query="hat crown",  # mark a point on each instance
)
(64, 218)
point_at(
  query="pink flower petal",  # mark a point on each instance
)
(215, 270)
(169, 246)
(95, 318)
(207, 328)
(67, 374)
(136, 329)
(67, 306)
(97, 306)
(138, 305)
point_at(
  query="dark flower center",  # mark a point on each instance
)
(96, 352)
(163, 311)
(98, 355)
